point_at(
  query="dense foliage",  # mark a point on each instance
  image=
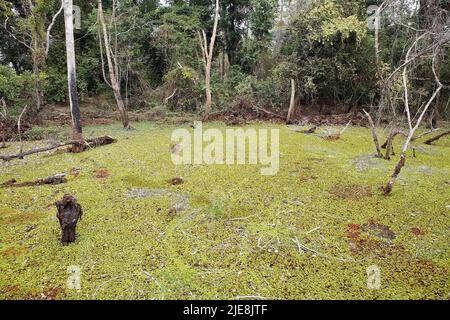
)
(325, 45)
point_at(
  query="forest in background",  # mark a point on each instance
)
(326, 50)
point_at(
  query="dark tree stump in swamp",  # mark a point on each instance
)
(69, 211)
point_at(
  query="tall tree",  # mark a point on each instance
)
(31, 18)
(112, 67)
(207, 53)
(72, 74)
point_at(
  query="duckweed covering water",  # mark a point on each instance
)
(236, 234)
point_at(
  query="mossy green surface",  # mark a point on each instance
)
(236, 237)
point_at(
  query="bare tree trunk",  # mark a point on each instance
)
(72, 74)
(389, 143)
(113, 76)
(374, 135)
(207, 53)
(37, 83)
(19, 129)
(292, 102)
(3, 115)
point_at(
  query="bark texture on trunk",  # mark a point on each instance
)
(292, 103)
(71, 72)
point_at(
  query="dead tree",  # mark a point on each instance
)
(72, 75)
(69, 212)
(207, 54)
(112, 68)
(412, 128)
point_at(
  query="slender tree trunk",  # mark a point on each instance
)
(112, 73)
(374, 135)
(292, 102)
(72, 74)
(207, 60)
(37, 83)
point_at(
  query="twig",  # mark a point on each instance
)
(312, 230)
(243, 218)
(166, 100)
(156, 281)
(343, 130)
(301, 247)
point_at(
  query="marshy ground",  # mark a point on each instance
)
(308, 232)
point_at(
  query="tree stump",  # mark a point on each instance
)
(69, 211)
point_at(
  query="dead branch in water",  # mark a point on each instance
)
(430, 141)
(56, 179)
(89, 144)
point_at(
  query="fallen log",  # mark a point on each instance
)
(88, 144)
(53, 180)
(430, 141)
